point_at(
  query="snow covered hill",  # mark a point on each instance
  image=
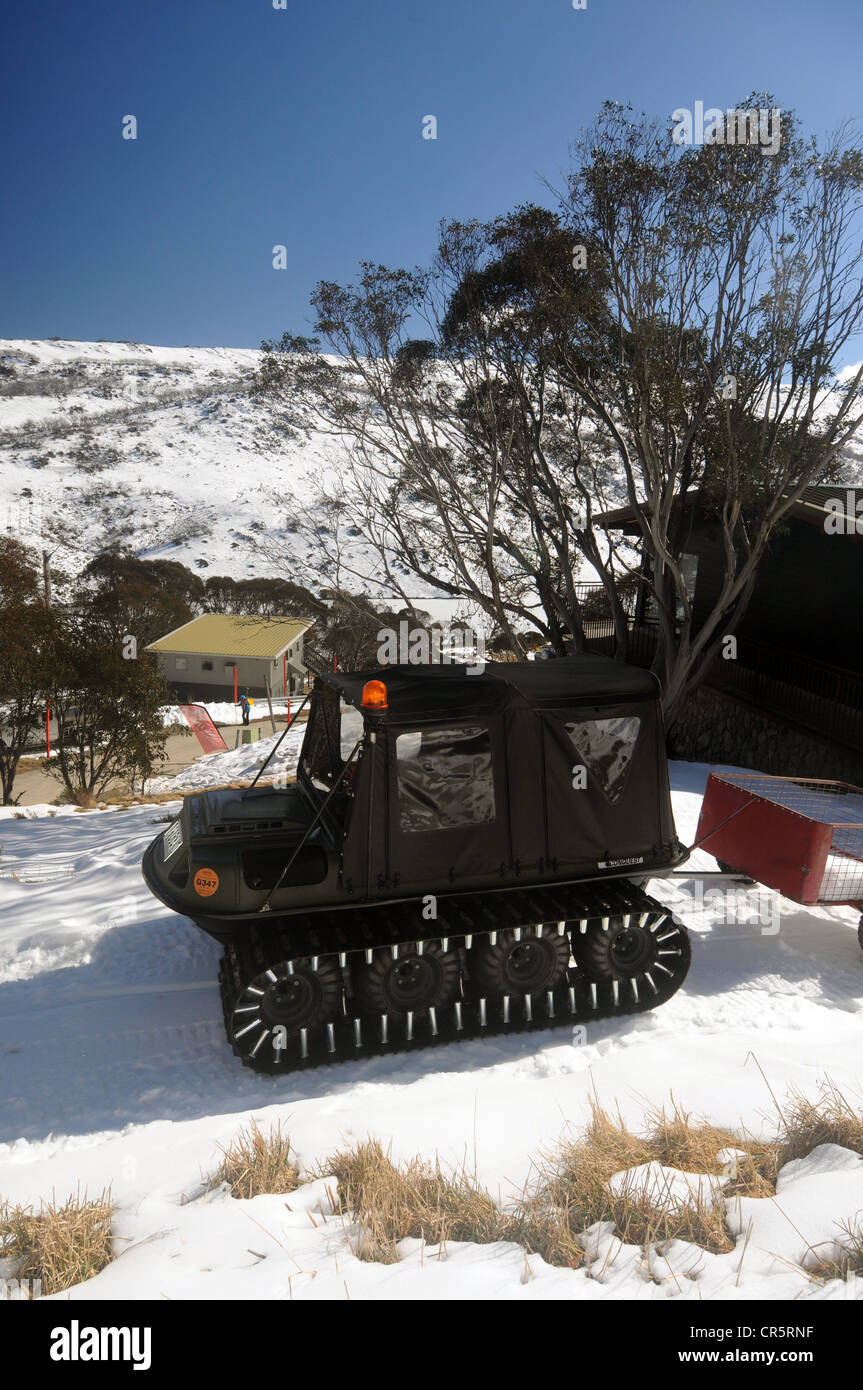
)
(164, 451)
(116, 1072)
(160, 449)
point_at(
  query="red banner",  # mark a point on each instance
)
(204, 729)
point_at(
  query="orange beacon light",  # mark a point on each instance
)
(374, 695)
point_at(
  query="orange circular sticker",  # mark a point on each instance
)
(206, 881)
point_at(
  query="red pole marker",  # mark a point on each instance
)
(235, 685)
(284, 675)
(289, 709)
(48, 729)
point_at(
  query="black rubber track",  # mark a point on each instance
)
(468, 930)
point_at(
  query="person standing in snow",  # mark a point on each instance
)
(245, 707)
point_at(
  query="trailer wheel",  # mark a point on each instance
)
(410, 982)
(534, 961)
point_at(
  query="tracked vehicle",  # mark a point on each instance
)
(461, 854)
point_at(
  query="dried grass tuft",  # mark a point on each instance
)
(831, 1119)
(573, 1177)
(417, 1199)
(695, 1146)
(649, 1218)
(62, 1244)
(255, 1163)
(849, 1262)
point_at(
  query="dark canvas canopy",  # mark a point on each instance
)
(527, 771)
(412, 689)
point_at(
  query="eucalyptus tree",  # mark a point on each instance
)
(671, 335)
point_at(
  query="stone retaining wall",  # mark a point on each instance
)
(716, 728)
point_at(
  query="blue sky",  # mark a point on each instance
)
(303, 127)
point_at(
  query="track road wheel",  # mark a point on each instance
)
(272, 1006)
(649, 950)
(420, 976)
(534, 960)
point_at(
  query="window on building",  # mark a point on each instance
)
(445, 778)
(180, 663)
(206, 665)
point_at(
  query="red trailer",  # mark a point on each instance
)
(801, 837)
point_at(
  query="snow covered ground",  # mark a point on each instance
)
(225, 712)
(237, 765)
(115, 1071)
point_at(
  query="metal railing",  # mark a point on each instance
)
(825, 699)
(317, 660)
(596, 607)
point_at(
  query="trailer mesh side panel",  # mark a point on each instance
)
(834, 804)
